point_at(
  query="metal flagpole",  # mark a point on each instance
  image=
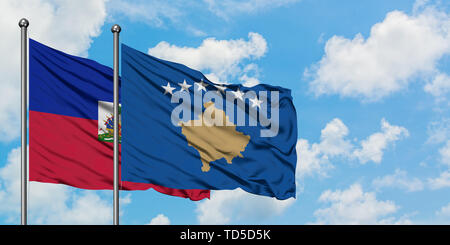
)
(116, 30)
(23, 23)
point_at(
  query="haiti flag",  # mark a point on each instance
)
(181, 130)
(71, 124)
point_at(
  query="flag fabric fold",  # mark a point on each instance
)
(181, 130)
(71, 122)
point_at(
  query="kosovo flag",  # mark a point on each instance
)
(71, 124)
(181, 130)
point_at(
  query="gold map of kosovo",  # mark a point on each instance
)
(214, 142)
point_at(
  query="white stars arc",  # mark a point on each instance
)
(220, 89)
(238, 94)
(201, 86)
(184, 86)
(256, 102)
(168, 89)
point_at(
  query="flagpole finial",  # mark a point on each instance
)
(115, 28)
(24, 23)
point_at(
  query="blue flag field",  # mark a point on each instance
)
(181, 130)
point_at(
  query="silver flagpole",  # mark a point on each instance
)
(116, 30)
(23, 23)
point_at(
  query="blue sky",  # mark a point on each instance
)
(370, 82)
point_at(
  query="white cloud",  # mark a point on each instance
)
(332, 139)
(372, 148)
(10, 184)
(419, 5)
(444, 211)
(220, 58)
(443, 180)
(402, 220)
(249, 81)
(398, 180)
(354, 206)
(385, 62)
(440, 182)
(227, 8)
(315, 158)
(87, 208)
(250, 74)
(310, 160)
(439, 86)
(438, 131)
(152, 12)
(228, 206)
(159, 13)
(160, 219)
(51, 203)
(445, 153)
(178, 13)
(65, 25)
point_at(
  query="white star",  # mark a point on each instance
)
(201, 86)
(184, 86)
(256, 102)
(168, 89)
(220, 88)
(238, 94)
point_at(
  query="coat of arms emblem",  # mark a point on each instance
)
(106, 122)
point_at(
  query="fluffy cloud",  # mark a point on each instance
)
(152, 12)
(399, 180)
(159, 12)
(388, 60)
(439, 86)
(443, 180)
(68, 208)
(227, 8)
(220, 58)
(440, 182)
(228, 206)
(439, 131)
(233, 205)
(332, 138)
(445, 153)
(65, 25)
(160, 219)
(444, 211)
(178, 13)
(315, 158)
(372, 148)
(354, 206)
(310, 160)
(51, 203)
